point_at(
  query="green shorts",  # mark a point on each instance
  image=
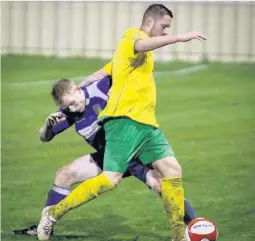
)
(127, 139)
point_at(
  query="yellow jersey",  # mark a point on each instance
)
(133, 91)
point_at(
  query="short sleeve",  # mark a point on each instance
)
(139, 36)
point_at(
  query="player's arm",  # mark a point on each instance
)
(54, 124)
(101, 73)
(152, 43)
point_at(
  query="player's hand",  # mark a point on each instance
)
(192, 35)
(54, 119)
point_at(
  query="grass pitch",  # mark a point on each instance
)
(208, 117)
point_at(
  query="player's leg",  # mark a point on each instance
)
(152, 178)
(172, 193)
(189, 212)
(157, 148)
(145, 174)
(82, 168)
(120, 149)
(86, 191)
(153, 181)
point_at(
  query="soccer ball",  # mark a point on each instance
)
(201, 229)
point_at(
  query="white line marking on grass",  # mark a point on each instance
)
(179, 72)
(41, 82)
(184, 71)
(192, 69)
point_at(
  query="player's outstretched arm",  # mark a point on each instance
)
(100, 74)
(160, 41)
(46, 131)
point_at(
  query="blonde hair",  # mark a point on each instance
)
(60, 88)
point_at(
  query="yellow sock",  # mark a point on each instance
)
(83, 193)
(173, 200)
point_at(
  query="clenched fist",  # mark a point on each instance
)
(54, 119)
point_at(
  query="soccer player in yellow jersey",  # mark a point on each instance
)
(130, 125)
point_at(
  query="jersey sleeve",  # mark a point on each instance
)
(108, 68)
(132, 36)
(58, 128)
(139, 36)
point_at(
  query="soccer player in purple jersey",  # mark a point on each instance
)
(81, 108)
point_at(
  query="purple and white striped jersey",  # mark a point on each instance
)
(86, 122)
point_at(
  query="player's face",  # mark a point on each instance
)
(161, 25)
(74, 100)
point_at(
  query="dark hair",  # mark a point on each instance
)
(157, 10)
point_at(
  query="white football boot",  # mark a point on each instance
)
(45, 227)
(45, 211)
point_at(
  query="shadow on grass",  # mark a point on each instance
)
(109, 228)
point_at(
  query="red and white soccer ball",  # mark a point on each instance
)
(201, 229)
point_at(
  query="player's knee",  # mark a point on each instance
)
(115, 180)
(175, 169)
(65, 177)
(168, 167)
(113, 177)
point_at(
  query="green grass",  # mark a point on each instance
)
(207, 116)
